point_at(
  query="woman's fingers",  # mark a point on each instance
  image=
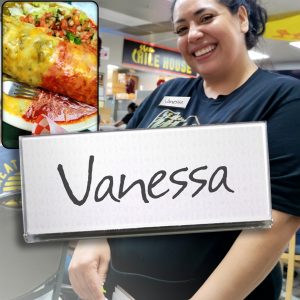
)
(88, 268)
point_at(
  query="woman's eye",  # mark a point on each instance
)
(181, 31)
(206, 18)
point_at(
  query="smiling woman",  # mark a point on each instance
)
(216, 32)
(257, 17)
(213, 37)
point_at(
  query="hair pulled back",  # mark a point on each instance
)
(132, 106)
(257, 16)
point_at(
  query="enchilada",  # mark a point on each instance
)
(32, 56)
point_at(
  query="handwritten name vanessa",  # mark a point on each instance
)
(216, 181)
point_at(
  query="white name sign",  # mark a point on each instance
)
(172, 101)
(145, 181)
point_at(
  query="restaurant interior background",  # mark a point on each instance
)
(149, 22)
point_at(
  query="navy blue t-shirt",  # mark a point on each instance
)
(265, 96)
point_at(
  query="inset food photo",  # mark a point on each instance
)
(49, 65)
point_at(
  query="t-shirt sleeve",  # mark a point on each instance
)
(127, 118)
(284, 153)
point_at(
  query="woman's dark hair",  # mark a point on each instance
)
(132, 106)
(257, 16)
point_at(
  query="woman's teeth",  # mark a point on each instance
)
(205, 50)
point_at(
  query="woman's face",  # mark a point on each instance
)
(210, 38)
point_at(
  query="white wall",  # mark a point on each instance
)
(115, 45)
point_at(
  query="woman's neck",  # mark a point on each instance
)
(227, 83)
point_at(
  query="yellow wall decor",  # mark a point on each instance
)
(284, 27)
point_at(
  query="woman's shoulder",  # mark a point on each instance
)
(276, 86)
(281, 80)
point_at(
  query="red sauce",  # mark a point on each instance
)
(58, 108)
(65, 78)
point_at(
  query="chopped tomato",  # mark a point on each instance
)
(43, 22)
(76, 20)
(92, 24)
(61, 33)
(64, 24)
(48, 15)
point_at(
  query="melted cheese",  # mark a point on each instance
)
(28, 52)
(32, 56)
(15, 106)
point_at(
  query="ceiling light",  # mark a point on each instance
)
(257, 55)
(295, 44)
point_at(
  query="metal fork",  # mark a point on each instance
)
(20, 90)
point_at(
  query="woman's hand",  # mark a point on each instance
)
(88, 268)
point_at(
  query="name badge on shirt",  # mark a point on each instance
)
(172, 101)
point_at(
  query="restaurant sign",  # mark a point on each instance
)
(147, 56)
(285, 27)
